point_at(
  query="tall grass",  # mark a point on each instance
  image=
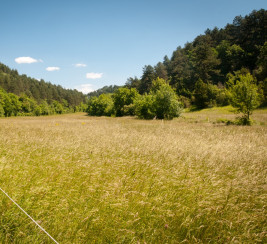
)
(99, 180)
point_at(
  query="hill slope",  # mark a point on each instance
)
(22, 95)
(12, 82)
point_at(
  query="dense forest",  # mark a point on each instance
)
(22, 95)
(200, 72)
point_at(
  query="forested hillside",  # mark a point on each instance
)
(200, 70)
(104, 90)
(223, 66)
(22, 95)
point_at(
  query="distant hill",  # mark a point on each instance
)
(199, 71)
(210, 58)
(12, 82)
(103, 90)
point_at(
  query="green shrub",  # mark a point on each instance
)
(45, 109)
(165, 103)
(144, 107)
(100, 106)
(122, 98)
(225, 121)
(2, 111)
(161, 102)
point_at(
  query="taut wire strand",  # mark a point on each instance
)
(29, 216)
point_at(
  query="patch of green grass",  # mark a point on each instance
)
(225, 115)
(218, 110)
(122, 180)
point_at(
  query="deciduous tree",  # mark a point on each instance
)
(244, 95)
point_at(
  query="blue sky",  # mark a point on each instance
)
(89, 44)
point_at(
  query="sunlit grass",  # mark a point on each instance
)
(88, 179)
(223, 113)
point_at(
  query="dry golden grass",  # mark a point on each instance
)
(88, 179)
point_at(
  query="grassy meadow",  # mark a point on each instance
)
(123, 180)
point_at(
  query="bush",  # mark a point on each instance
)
(10, 103)
(45, 109)
(58, 107)
(144, 107)
(225, 121)
(161, 102)
(122, 98)
(100, 106)
(128, 109)
(166, 103)
(243, 120)
(2, 111)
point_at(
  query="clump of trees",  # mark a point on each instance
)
(123, 99)
(161, 103)
(12, 82)
(223, 66)
(23, 96)
(13, 105)
(100, 106)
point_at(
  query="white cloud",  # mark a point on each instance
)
(94, 75)
(85, 88)
(25, 60)
(80, 65)
(52, 68)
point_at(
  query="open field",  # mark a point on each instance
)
(123, 180)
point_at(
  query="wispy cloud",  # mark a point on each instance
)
(26, 60)
(94, 75)
(80, 65)
(85, 88)
(52, 68)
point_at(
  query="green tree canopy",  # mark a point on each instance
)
(244, 95)
(166, 105)
(100, 106)
(161, 102)
(123, 99)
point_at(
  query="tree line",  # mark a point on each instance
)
(199, 71)
(22, 95)
(161, 103)
(12, 82)
(105, 89)
(13, 105)
(223, 66)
